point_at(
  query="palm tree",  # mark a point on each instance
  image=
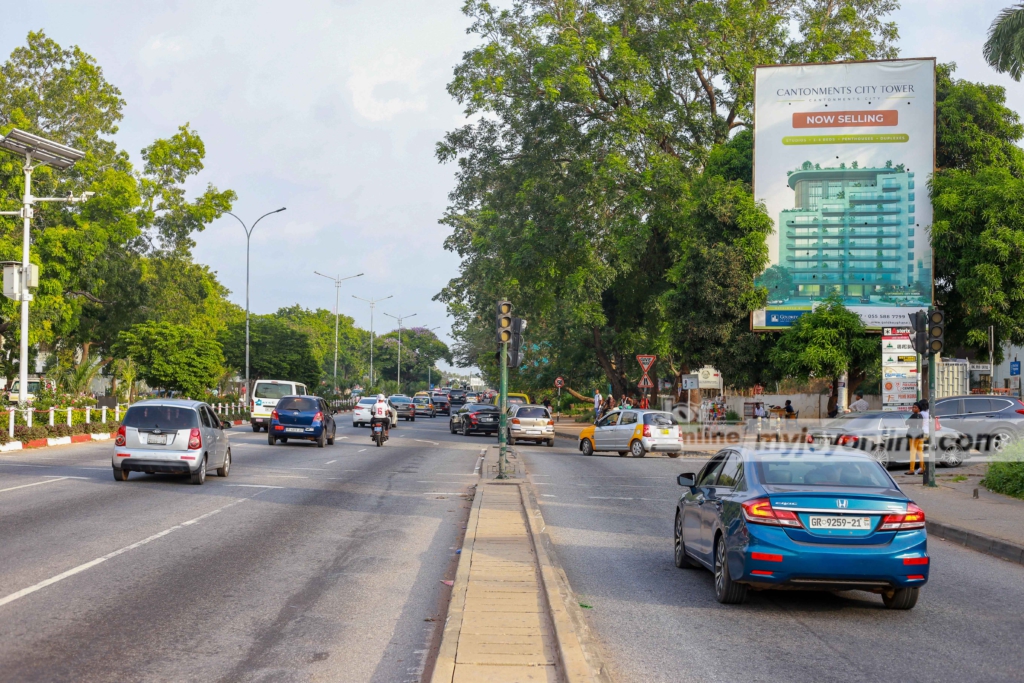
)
(1004, 49)
(126, 371)
(79, 378)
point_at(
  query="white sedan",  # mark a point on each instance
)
(361, 412)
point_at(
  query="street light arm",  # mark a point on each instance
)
(264, 216)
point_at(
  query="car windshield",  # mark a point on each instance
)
(658, 419)
(296, 403)
(532, 412)
(822, 472)
(271, 390)
(161, 417)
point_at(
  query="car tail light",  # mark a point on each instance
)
(472, 418)
(273, 415)
(915, 577)
(913, 519)
(647, 430)
(551, 423)
(515, 420)
(319, 417)
(122, 436)
(915, 560)
(848, 440)
(760, 511)
(760, 572)
(195, 440)
(1020, 410)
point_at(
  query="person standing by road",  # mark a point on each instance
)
(597, 405)
(915, 437)
(860, 405)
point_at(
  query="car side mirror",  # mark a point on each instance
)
(689, 479)
(224, 424)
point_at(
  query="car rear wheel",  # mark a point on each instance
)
(120, 474)
(510, 440)
(901, 598)
(881, 456)
(255, 428)
(727, 591)
(330, 440)
(223, 470)
(637, 449)
(683, 560)
(465, 429)
(321, 440)
(551, 443)
(271, 440)
(451, 426)
(587, 447)
(199, 476)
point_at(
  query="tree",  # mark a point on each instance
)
(421, 349)
(827, 342)
(276, 351)
(1004, 49)
(777, 282)
(172, 357)
(353, 343)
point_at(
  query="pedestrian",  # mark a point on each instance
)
(789, 410)
(547, 404)
(915, 438)
(860, 405)
(644, 403)
(597, 405)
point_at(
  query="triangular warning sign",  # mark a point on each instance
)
(646, 362)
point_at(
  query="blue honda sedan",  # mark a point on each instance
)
(302, 417)
(802, 518)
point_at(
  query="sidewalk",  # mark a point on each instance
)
(506, 622)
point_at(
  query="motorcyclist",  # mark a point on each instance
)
(380, 413)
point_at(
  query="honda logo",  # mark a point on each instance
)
(842, 503)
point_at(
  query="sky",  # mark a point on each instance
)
(332, 108)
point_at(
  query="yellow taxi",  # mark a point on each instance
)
(513, 400)
(632, 432)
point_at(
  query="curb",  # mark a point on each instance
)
(51, 441)
(982, 543)
(444, 665)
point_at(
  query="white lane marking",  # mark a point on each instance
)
(99, 560)
(608, 498)
(360, 450)
(443, 493)
(329, 462)
(317, 469)
(548, 495)
(38, 483)
(283, 476)
(255, 486)
(342, 437)
(425, 441)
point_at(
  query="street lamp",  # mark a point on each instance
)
(337, 289)
(248, 234)
(373, 304)
(399, 318)
(41, 151)
(430, 365)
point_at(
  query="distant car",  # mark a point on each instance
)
(404, 407)
(171, 436)
(265, 395)
(424, 406)
(308, 418)
(474, 417)
(513, 399)
(457, 397)
(361, 412)
(473, 397)
(33, 389)
(801, 518)
(883, 436)
(530, 423)
(632, 431)
(441, 403)
(990, 422)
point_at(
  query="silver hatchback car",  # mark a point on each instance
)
(170, 435)
(530, 423)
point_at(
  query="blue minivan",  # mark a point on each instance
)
(302, 417)
(802, 518)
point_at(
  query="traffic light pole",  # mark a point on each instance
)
(502, 416)
(929, 466)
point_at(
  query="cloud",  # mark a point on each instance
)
(370, 99)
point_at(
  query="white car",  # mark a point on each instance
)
(361, 413)
(265, 395)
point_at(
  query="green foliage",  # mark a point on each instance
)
(421, 349)
(172, 357)
(353, 343)
(1004, 49)
(847, 29)
(733, 160)
(276, 351)
(1006, 477)
(777, 282)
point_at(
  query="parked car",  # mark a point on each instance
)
(173, 436)
(441, 403)
(424, 406)
(801, 518)
(308, 418)
(34, 384)
(883, 436)
(474, 417)
(530, 423)
(990, 422)
(632, 431)
(404, 407)
(265, 395)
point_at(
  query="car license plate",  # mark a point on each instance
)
(821, 441)
(839, 522)
(157, 440)
(666, 432)
(293, 429)
(533, 431)
(378, 428)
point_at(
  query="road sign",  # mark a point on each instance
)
(645, 383)
(1014, 368)
(559, 382)
(981, 367)
(689, 382)
(646, 362)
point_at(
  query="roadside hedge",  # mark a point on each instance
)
(1006, 477)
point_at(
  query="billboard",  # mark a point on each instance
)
(843, 154)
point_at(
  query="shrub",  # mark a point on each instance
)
(1006, 477)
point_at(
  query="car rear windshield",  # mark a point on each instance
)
(823, 472)
(658, 419)
(295, 403)
(481, 408)
(269, 390)
(401, 399)
(516, 401)
(532, 412)
(367, 401)
(440, 397)
(423, 400)
(161, 417)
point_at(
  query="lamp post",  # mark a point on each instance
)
(248, 234)
(36, 151)
(430, 365)
(373, 303)
(337, 289)
(399, 318)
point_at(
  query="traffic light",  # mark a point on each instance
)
(515, 349)
(936, 331)
(919, 336)
(503, 322)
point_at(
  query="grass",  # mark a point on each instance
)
(959, 477)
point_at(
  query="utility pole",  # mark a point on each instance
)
(248, 235)
(991, 359)
(373, 303)
(399, 318)
(337, 291)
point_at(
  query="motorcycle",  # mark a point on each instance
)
(379, 437)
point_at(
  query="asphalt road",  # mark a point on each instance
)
(610, 519)
(304, 564)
